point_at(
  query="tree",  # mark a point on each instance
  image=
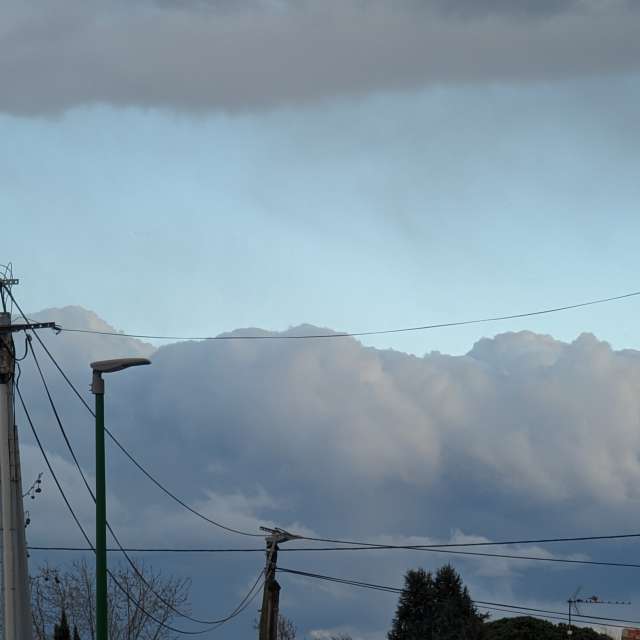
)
(415, 612)
(455, 616)
(61, 631)
(286, 628)
(435, 609)
(72, 590)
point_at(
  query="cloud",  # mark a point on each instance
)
(525, 436)
(204, 56)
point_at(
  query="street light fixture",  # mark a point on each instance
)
(97, 388)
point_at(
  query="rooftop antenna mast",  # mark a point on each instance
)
(574, 601)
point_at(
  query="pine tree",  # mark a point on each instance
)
(415, 612)
(455, 615)
(76, 635)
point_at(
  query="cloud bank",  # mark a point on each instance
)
(524, 436)
(200, 56)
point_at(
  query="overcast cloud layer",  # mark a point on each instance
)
(198, 56)
(525, 436)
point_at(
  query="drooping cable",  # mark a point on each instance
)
(539, 616)
(132, 564)
(602, 563)
(389, 589)
(78, 523)
(450, 545)
(355, 544)
(124, 590)
(356, 334)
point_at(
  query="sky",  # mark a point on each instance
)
(190, 168)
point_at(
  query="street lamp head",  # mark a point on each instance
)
(111, 366)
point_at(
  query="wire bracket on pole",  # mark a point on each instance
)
(278, 535)
(30, 327)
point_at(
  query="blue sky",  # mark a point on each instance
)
(377, 212)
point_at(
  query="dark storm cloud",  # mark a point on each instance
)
(524, 8)
(524, 436)
(523, 412)
(203, 56)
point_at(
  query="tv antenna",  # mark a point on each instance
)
(574, 601)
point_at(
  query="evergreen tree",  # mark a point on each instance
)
(76, 635)
(455, 616)
(414, 615)
(61, 631)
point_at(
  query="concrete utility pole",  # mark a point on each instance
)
(16, 600)
(271, 592)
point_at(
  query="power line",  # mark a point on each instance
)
(602, 563)
(88, 540)
(355, 334)
(431, 547)
(91, 493)
(483, 603)
(512, 606)
(173, 496)
(314, 539)
(515, 612)
(147, 550)
(73, 514)
(122, 448)
(374, 545)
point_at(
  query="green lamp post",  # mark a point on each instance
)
(97, 388)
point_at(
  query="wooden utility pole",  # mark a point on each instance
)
(271, 591)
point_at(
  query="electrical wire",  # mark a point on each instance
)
(122, 448)
(561, 618)
(573, 615)
(174, 497)
(388, 589)
(351, 542)
(355, 334)
(137, 604)
(82, 530)
(602, 563)
(450, 545)
(135, 569)
(327, 540)
(148, 550)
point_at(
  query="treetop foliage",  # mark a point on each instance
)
(435, 608)
(527, 628)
